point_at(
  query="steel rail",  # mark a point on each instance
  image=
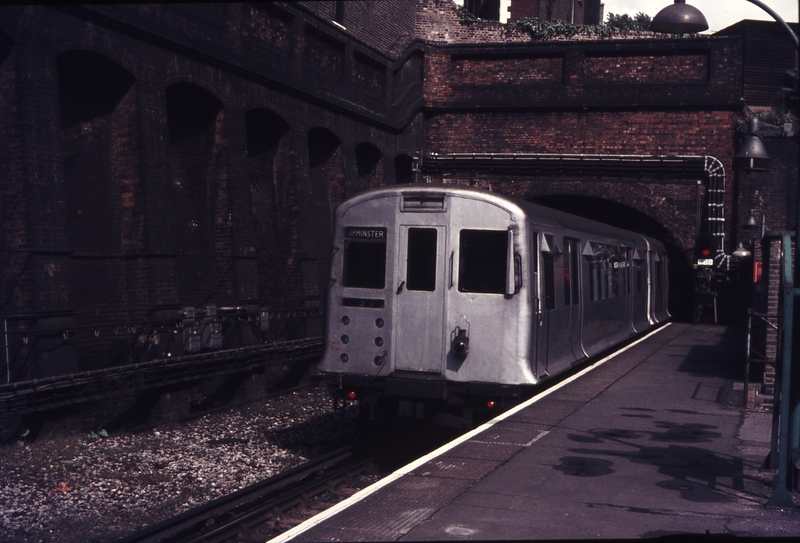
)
(219, 519)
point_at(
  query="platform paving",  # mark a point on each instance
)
(651, 443)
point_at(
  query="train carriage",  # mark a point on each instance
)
(446, 298)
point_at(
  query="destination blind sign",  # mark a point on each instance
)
(365, 233)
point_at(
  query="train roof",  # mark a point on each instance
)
(538, 214)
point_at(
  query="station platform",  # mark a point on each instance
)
(651, 442)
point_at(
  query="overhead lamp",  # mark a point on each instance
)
(752, 155)
(741, 252)
(679, 18)
(750, 223)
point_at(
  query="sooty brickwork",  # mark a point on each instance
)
(162, 156)
(165, 156)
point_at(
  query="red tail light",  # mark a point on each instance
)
(351, 395)
(490, 404)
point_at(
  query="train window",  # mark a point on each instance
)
(658, 272)
(482, 261)
(364, 258)
(421, 259)
(638, 275)
(625, 264)
(570, 271)
(548, 265)
(604, 265)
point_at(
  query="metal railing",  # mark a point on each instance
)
(74, 389)
(751, 355)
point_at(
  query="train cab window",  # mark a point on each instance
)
(482, 261)
(364, 258)
(421, 259)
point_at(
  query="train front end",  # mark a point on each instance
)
(428, 309)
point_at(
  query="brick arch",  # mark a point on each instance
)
(6, 46)
(209, 85)
(99, 134)
(672, 207)
(273, 196)
(117, 56)
(199, 186)
(326, 178)
(369, 160)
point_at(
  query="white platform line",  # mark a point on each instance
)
(363, 493)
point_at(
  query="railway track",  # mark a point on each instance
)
(222, 519)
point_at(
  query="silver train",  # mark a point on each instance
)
(447, 300)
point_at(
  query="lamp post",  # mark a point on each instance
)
(681, 18)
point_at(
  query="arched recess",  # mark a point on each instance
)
(99, 130)
(12, 220)
(622, 216)
(194, 118)
(274, 200)
(326, 177)
(368, 164)
(6, 46)
(403, 169)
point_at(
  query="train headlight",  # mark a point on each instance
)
(461, 343)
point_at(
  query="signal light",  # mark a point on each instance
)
(351, 395)
(490, 404)
(705, 245)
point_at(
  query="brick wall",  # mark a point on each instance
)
(154, 194)
(562, 10)
(386, 25)
(230, 202)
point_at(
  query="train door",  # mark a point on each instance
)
(639, 290)
(572, 294)
(627, 287)
(556, 350)
(537, 293)
(419, 298)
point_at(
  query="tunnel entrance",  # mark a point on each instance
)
(615, 214)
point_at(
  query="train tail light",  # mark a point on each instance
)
(490, 404)
(351, 395)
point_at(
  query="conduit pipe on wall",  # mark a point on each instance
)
(628, 166)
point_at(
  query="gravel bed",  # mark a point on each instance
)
(82, 488)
